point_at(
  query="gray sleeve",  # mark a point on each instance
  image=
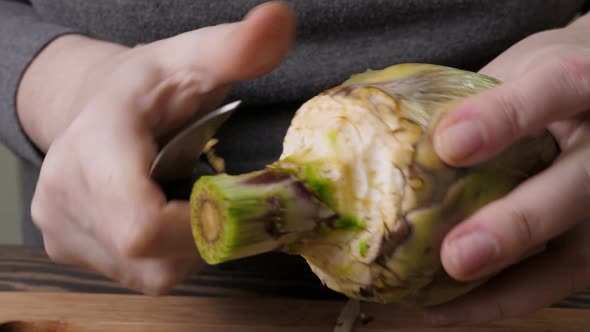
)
(22, 36)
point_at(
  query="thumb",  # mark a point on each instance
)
(226, 53)
(196, 68)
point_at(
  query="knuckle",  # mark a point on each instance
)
(186, 79)
(42, 211)
(522, 225)
(512, 106)
(131, 243)
(159, 280)
(159, 285)
(138, 222)
(136, 237)
(39, 213)
(177, 91)
(51, 182)
(573, 72)
(53, 251)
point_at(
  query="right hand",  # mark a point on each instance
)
(95, 203)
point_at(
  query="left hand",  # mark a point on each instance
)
(546, 84)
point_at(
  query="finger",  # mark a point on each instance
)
(485, 124)
(231, 52)
(522, 289)
(146, 225)
(168, 235)
(131, 213)
(176, 100)
(196, 68)
(155, 276)
(77, 248)
(501, 233)
(145, 275)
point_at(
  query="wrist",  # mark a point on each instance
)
(49, 85)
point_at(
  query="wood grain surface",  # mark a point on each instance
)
(273, 275)
(38, 295)
(29, 269)
(110, 312)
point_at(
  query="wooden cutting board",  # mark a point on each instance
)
(74, 312)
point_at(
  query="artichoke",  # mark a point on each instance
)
(359, 191)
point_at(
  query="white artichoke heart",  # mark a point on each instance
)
(364, 150)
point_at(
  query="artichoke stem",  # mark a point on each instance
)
(238, 216)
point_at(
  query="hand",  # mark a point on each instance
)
(546, 85)
(95, 202)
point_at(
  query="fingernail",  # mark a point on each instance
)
(469, 253)
(461, 140)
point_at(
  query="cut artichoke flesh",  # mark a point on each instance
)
(372, 198)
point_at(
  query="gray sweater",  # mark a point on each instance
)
(335, 38)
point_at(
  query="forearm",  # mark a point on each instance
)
(48, 87)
